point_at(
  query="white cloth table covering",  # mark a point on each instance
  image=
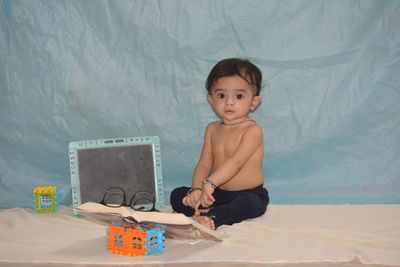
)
(285, 234)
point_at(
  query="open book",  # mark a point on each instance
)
(176, 225)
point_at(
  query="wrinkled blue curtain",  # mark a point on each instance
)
(78, 70)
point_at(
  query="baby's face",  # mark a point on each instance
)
(232, 98)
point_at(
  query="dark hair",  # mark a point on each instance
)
(235, 66)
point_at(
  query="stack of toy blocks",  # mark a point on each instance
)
(135, 241)
(45, 199)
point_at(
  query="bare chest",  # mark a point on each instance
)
(225, 142)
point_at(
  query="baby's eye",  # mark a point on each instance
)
(239, 96)
(220, 95)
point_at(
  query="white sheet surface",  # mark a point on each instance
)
(286, 234)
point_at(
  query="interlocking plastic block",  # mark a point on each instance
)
(45, 199)
(135, 241)
(155, 241)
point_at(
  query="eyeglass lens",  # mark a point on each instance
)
(114, 197)
(142, 201)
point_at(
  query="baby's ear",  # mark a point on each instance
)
(256, 102)
(209, 99)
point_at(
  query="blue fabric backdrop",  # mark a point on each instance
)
(77, 70)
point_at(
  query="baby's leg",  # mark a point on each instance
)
(241, 207)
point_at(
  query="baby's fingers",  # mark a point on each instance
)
(185, 201)
(189, 201)
(205, 202)
(197, 205)
(211, 198)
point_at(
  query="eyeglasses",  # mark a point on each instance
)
(141, 200)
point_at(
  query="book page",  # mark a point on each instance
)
(177, 225)
(139, 216)
(160, 217)
(99, 208)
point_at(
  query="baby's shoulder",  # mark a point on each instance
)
(253, 128)
(213, 125)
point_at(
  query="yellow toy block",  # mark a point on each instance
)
(45, 199)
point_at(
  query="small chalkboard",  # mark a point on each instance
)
(133, 164)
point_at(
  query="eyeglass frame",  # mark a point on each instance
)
(124, 203)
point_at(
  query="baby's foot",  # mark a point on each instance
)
(205, 220)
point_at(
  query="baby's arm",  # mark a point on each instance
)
(204, 165)
(252, 139)
(201, 171)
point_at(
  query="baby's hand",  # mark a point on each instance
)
(206, 198)
(192, 199)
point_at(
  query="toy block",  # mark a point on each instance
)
(134, 240)
(45, 199)
(155, 241)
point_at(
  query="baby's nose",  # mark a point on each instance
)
(230, 101)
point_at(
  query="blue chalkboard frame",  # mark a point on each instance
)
(76, 146)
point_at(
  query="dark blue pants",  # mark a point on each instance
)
(229, 207)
